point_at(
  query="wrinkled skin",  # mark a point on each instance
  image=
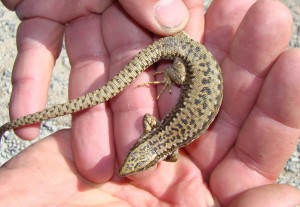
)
(235, 163)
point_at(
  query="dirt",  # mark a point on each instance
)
(58, 90)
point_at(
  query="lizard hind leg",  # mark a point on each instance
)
(174, 74)
(167, 82)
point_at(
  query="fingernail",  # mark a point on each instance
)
(171, 14)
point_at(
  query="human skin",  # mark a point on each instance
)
(234, 162)
(45, 174)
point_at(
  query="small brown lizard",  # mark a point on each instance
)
(199, 75)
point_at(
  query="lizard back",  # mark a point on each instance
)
(199, 102)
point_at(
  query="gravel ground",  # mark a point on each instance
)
(58, 90)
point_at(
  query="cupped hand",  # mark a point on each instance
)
(246, 147)
(45, 174)
(100, 38)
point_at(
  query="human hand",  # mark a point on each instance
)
(87, 30)
(230, 138)
(45, 174)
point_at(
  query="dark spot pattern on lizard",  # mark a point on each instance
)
(198, 104)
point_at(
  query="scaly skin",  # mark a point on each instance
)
(199, 101)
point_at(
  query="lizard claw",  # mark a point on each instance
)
(167, 82)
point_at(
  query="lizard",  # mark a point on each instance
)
(194, 69)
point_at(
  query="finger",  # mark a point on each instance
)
(92, 129)
(195, 29)
(39, 43)
(162, 17)
(222, 20)
(57, 10)
(124, 39)
(268, 195)
(256, 45)
(50, 162)
(269, 134)
(11, 4)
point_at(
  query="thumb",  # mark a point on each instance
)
(163, 17)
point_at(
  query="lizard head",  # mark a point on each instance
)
(141, 157)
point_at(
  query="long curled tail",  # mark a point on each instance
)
(135, 67)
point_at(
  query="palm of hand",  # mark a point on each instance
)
(58, 178)
(230, 148)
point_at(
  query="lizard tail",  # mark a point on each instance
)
(129, 73)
